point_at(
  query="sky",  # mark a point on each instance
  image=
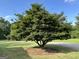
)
(10, 7)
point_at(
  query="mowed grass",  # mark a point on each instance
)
(18, 50)
(68, 41)
(15, 49)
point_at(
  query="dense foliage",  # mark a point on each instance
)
(40, 26)
(75, 29)
(4, 28)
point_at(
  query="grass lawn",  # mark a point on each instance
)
(68, 41)
(16, 50)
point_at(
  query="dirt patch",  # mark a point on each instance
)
(40, 51)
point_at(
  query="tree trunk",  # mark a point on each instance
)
(41, 43)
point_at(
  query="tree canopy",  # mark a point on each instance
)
(38, 25)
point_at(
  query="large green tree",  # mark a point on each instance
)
(40, 26)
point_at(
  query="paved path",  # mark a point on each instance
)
(69, 45)
(3, 57)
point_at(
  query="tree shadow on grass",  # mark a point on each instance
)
(53, 48)
(14, 53)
